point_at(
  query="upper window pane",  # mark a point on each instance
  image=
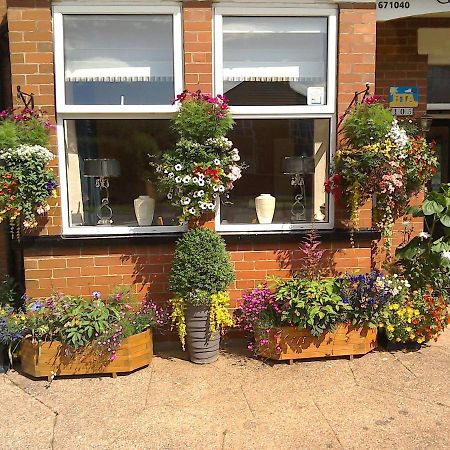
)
(118, 59)
(438, 84)
(275, 60)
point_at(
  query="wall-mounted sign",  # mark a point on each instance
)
(404, 97)
(395, 10)
(402, 111)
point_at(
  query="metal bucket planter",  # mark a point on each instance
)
(203, 346)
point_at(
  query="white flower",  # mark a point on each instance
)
(186, 179)
(210, 206)
(221, 188)
(235, 154)
(185, 201)
(424, 235)
(201, 182)
(195, 180)
(166, 171)
(200, 193)
(170, 196)
(178, 166)
(406, 283)
(217, 162)
(235, 173)
(201, 176)
(215, 188)
(395, 292)
(24, 153)
(202, 205)
(178, 180)
(446, 255)
(192, 211)
(170, 175)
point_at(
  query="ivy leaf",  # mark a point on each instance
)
(433, 204)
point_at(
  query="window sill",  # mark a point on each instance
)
(363, 235)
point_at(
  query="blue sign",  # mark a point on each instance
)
(404, 97)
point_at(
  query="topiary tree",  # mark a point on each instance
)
(201, 267)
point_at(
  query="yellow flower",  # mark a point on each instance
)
(398, 339)
(420, 340)
(416, 312)
(412, 336)
(394, 307)
(400, 312)
(390, 327)
(408, 329)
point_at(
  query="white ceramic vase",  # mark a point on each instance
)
(144, 208)
(265, 208)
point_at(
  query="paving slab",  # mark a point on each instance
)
(383, 400)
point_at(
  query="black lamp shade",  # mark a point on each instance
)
(101, 168)
(298, 165)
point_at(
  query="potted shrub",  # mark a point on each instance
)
(382, 159)
(69, 335)
(308, 316)
(200, 276)
(26, 183)
(204, 165)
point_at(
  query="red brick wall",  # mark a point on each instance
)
(197, 42)
(80, 269)
(398, 63)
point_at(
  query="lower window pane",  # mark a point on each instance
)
(117, 150)
(287, 158)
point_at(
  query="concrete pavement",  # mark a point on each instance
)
(384, 400)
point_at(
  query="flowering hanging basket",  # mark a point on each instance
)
(48, 359)
(288, 343)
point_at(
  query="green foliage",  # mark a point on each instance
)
(425, 258)
(79, 322)
(314, 305)
(201, 266)
(83, 319)
(9, 136)
(197, 120)
(8, 292)
(367, 125)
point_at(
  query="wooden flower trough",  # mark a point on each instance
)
(289, 343)
(51, 358)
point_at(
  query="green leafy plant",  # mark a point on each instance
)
(203, 165)
(313, 305)
(8, 292)
(425, 259)
(415, 317)
(367, 124)
(201, 266)
(24, 127)
(201, 274)
(25, 181)
(202, 117)
(378, 158)
(100, 325)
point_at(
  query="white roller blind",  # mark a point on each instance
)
(113, 48)
(274, 49)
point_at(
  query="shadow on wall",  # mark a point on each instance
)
(299, 261)
(150, 271)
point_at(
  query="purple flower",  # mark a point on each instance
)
(36, 306)
(96, 295)
(50, 185)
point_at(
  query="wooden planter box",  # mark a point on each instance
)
(50, 358)
(293, 343)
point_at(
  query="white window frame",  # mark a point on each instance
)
(67, 112)
(327, 111)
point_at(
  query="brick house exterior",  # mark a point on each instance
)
(83, 264)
